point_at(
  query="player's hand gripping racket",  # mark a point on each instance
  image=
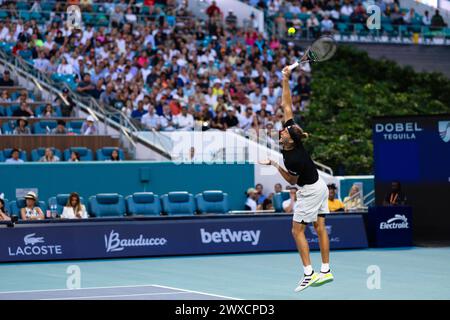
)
(321, 49)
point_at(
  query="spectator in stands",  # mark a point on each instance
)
(437, 22)
(288, 205)
(396, 15)
(231, 21)
(74, 157)
(66, 103)
(277, 188)
(139, 111)
(5, 96)
(74, 209)
(334, 204)
(3, 212)
(426, 21)
(247, 121)
(259, 190)
(60, 128)
(86, 87)
(31, 211)
(359, 15)
(15, 154)
(184, 120)
(114, 155)
(395, 197)
(89, 127)
(6, 81)
(65, 68)
(230, 119)
(151, 120)
(22, 127)
(252, 197)
(354, 199)
(23, 111)
(313, 25)
(49, 156)
(326, 25)
(346, 9)
(108, 96)
(48, 112)
(24, 97)
(213, 10)
(267, 204)
(409, 17)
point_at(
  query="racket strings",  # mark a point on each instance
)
(322, 49)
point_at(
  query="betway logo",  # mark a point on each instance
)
(392, 224)
(32, 248)
(226, 235)
(114, 243)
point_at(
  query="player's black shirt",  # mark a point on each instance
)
(298, 162)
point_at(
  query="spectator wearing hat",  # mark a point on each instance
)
(252, 197)
(3, 212)
(184, 120)
(60, 128)
(89, 127)
(74, 209)
(288, 205)
(31, 211)
(22, 127)
(230, 119)
(49, 156)
(23, 111)
(15, 157)
(6, 80)
(334, 204)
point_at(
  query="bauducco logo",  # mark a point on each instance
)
(398, 130)
(33, 247)
(113, 242)
(397, 222)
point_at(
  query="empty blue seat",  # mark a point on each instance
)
(278, 199)
(212, 202)
(75, 126)
(8, 126)
(105, 153)
(107, 205)
(61, 201)
(7, 154)
(85, 153)
(143, 203)
(178, 203)
(11, 109)
(37, 154)
(15, 206)
(43, 126)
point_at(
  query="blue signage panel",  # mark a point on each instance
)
(168, 237)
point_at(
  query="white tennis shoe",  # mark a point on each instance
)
(307, 281)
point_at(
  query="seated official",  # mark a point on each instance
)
(31, 211)
(288, 205)
(354, 199)
(395, 197)
(74, 209)
(334, 204)
(3, 214)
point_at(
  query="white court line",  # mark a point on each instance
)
(115, 296)
(198, 292)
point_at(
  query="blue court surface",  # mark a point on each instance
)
(400, 273)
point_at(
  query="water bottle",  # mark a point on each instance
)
(54, 211)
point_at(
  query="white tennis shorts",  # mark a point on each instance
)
(312, 200)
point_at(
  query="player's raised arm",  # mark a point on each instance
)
(286, 99)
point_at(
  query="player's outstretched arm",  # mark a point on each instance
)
(286, 175)
(286, 99)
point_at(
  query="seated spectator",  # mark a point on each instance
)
(313, 24)
(3, 212)
(74, 157)
(24, 97)
(49, 156)
(259, 190)
(277, 188)
(252, 197)
(426, 20)
(395, 197)
(89, 127)
(139, 111)
(184, 120)
(22, 127)
(74, 209)
(31, 211)
(5, 96)
(354, 199)
(326, 25)
(346, 9)
(86, 87)
(334, 204)
(151, 120)
(6, 81)
(60, 128)
(218, 122)
(409, 17)
(267, 205)
(23, 111)
(15, 154)
(66, 104)
(437, 22)
(248, 120)
(231, 21)
(230, 119)
(48, 112)
(289, 204)
(114, 155)
(359, 15)
(65, 68)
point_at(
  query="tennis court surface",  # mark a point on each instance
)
(401, 273)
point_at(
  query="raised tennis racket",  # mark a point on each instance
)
(321, 49)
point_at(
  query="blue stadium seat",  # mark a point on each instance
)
(15, 206)
(178, 203)
(38, 153)
(143, 203)
(61, 200)
(7, 154)
(105, 153)
(2, 157)
(85, 153)
(278, 199)
(212, 202)
(107, 205)
(8, 126)
(11, 109)
(75, 126)
(40, 127)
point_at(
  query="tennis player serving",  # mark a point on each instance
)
(312, 196)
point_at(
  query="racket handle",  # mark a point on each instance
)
(293, 66)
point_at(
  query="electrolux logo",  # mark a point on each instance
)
(34, 246)
(397, 222)
(114, 243)
(398, 130)
(227, 235)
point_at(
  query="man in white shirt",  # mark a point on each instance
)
(288, 205)
(326, 25)
(151, 120)
(251, 203)
(14, 157)
(347, 9)
(246, 121)
(185, 120)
